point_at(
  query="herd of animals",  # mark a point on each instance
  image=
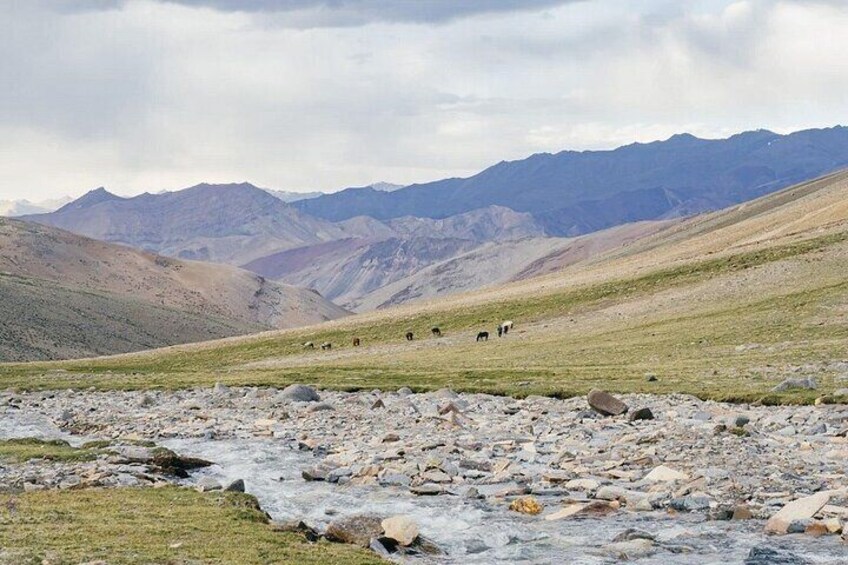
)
(503, 329)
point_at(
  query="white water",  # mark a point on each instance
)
(469, 531)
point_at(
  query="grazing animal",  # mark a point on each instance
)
(506, 326)
(309, 345)
(500, 331)
(436, 331)
(409, 336)
(356, 342)
(326, 345)
(483, 336)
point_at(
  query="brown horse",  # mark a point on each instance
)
(356, 342)
(436, 331)
(409, 336)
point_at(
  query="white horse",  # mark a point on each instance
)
(506, 326)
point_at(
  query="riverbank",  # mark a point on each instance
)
(668, 462)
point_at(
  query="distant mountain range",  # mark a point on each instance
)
(68, 296)
(12, 208)
(572, 192)
(374, 246)
(290, 196)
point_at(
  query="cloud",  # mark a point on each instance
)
(146, 95)
(338, 13)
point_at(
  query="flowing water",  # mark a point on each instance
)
(469, 531)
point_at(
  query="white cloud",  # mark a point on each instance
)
(147, 95)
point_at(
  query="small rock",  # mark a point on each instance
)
(762, 555)
(378, 404)
(663, 474)
(803, 508)
(641, 414)
(631, 534)
(402, 529)
(816, 529)
(741, 421)
(321, 407)
(605, 403)
(526, 505)
(742, 512)
(650, 377)
(235, 486)
(404, 391)
(207, 484)
(427, 489)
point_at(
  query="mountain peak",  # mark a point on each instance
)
(89, 199)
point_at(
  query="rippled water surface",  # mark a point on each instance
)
(472, 531)
(469, 531)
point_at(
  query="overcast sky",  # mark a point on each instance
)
(321, 94)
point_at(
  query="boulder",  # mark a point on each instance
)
(402, 529)
(300, 393)
(605, 403)
(356, 530)
(798, 383)
(320, 407)
(801, 509)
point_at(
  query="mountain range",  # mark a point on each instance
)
(573, 192)
(376, 246)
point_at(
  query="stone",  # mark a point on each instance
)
(358, 530)
(629, 550)
(801, 509)
(235, 486)
(427, 489)
(605, 403)
(741, 512)
(299, 527)
(583, 484)
(402, 529)
(796, 383)
(816, 529)
(641, 414)
(741, 421)
(833, 525)
(378, 404)
(663, 474)
(526, 505)
(610, 492)
(650, 377)
(300, 393)
(566, 512)
(764, 555)
(207, 484)
(320, 407)
(220, 388)
(404, 391)
(691, 503)
(631, 534)
(390, 438)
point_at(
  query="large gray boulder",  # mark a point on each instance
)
(605, 403)
(300, 393)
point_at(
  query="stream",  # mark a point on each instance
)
(468, 530)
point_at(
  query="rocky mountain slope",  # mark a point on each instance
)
(68, 296)
(222, 223)
(381, 253)
(575, 192)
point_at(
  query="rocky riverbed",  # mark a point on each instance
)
(486, 478)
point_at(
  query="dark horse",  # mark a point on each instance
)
(436, 331)
(483, 336)
(409, 336)
(356, 342)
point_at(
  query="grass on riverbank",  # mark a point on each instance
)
(20, 450)
(146, 525)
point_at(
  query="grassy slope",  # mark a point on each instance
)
(680, 304)
(163, 525)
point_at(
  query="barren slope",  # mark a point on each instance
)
(66, 295)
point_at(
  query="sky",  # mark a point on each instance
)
(150, 95)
